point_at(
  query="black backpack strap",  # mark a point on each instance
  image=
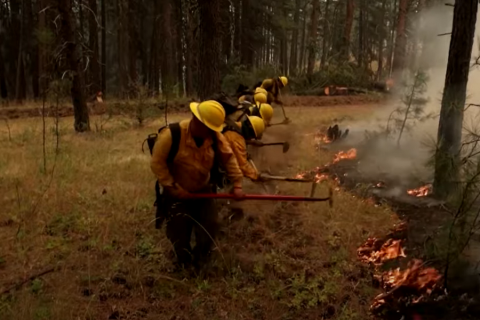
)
(176, 135)
(231, 126)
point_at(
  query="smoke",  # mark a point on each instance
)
(381, 159)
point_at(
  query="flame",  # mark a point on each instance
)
(371, 253)
(319, 177)
(421, 192)
(415, 277)
(342, 155)
(322, 138)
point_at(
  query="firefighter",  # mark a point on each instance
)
(237, 133)
(264, 111)
(198, 146)
(273, 87)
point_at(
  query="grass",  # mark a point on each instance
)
(94, 221)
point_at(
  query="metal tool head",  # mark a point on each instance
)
(286, 147)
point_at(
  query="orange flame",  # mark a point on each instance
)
(421, 192)
(342, 155)
(319, 177)
(370, 253)
(322, 138)
(415, 277)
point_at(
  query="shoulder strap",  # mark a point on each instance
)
(176, 135)
(231, 126)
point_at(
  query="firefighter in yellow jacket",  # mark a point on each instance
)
(273, 87)
(200, 146)
(236, 134)
(264, 111)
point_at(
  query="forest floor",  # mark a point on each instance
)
(86, 218)
(121, 107)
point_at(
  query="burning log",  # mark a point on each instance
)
(422, 191)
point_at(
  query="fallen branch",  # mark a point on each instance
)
(19, 284)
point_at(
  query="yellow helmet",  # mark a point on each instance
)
(260, 97)
(210, 113)
(260, 90)
(266, 112)
(258, 125)
(284, 81)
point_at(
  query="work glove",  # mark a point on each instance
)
(176, 191)
(237, 193)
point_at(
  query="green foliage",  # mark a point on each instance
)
(145, 247)
(239, 74)
(411, 111)
(308, 294)
(347, 75)
(36, 286)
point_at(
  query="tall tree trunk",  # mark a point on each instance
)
(294, 44)
(18, 82)
(179, 36)
(190, 27)
(238, 27)
(104, 47)
(226, 34)
(168, 57)
(381, 39)
(3, 80)
(122, 51)
(246, 48)
(361, 33)
(31, 48)
(93, 44)
(154, 66)
(132, 45)
(401, 39)
(42, 46)
(325, 35)
(347, 31)
(303, 41)
(73, 58)
(391, 38)
(210, 44)
(312, 37)
(447, 158)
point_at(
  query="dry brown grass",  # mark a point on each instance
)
(94, 221)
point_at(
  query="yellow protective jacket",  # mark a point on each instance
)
(192, 165)
(272, 88)
(239, 147)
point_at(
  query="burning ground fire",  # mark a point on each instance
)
(322, 138)
(422, 191)
(370, 253)
(408, 287)
(403, 287)
(320, 174)
(343, 155)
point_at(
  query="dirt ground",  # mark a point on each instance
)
(66, 110)
(83, 213)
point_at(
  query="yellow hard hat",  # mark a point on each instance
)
(260, 90)
(258, 125)
(260, 97)
(266, 112)
(284, 81)
(210, 113)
